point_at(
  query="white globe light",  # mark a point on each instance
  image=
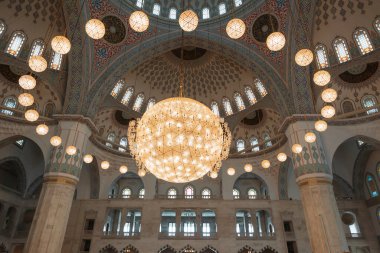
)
(37, 63)
(329, 95)
(42, 129)
(71, 150)
(55, 141)
(31, 115)
(265, 164)
(248, 167)
(88, 158)
(320, 125)
(213, 174)
(105, 165)
(27, 82)
(231, 171)
(282, 157)
(141, 173)
(296, 148)
(276, 41)
(25, 99)
(321, 77)
(235, 28)
(139, 21)
(310, 137)
(328, 111)
(60, 44)
(123, 169)
(95, 29)
(188, 21)
(304, 57)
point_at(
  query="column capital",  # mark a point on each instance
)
(314, 178)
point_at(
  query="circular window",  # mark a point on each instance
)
(263, 26)
(115, 29)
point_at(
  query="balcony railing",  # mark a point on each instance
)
(188, 235)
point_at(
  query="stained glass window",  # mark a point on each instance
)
(235, 193)
(126, 193)
(172, 193)
(372, 186)
(173, 13)
(340, 46)
(222, 8)
(238, 2)
(250, 95)
(376, 24)
(189, 192)
(156, 9)
(239, 101)
(363, 41)
(2, 28)
(215, 108)
(38, 47)
(111, 138)
(254, 144)
(127, 96)
(139, 3)
(138, 102)
(260, 88)
(370, 101)
(206, 193)
(206, 13)
(252, 193)
(227, 106)
(16, 43)
(151, 102)
(321, 53)
(56, 61)
(268, 142)
(117, 88)
(9, 102)
(240, 145)
(124, 143)
(142, 193)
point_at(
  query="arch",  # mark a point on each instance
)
(268, 249)
(240, 145)
(3, 27)
(49, 109)
(38, 47)
(89, 183)
(13, 174)
(254, 144)
(205, 13)
(347, 106)
(222, 8)
(250, 95)
(124, 143)
(56, 61)
(260, 87)
(156, 9)
(128, 180)
(246, 249)
(372, 187)
(34, 188)
(376, 24)
(235, 193)
(187, 249)
(369, 101)
(126, 193)
(206, 193)
(138, 102)
(151, 102)
(108, 249)
(208, 249)
(129, 249)
(341, 50)
(173, 13)
(11, 103)
(321, 55)
(215, 108)
(117, 88)
(16, 43)
(189, 192)
(141, 193)
(267, 140)
(363, 41)
(172, 193)
(127, 96)
(252, 193)
(110, 139)
(167, 249)
(249, 180)
(239, 101)
(227, 106)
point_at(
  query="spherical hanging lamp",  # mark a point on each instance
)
(60, 44)
(88, 158)
(329, 95)
(281, 157)
(141, 173)
(304, 57)
(27, 82)
(42, 129)
(296, 148)
(276, 41)
(188, 21)
(95, 29)
(320, 125)
(139, 21)
(123, 169)
(248, 167)
(71, 150)
(328, 111)
(213, 174)
(37, 63)
(310, 137)
(25, 99)
(105, 165)
(55, 141)
(235, 28)
(265, 164)
(31, 115)
(321, 77)
(231, 171)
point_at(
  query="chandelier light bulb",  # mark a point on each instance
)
(231, 171)
(31, 115)
(60, 44)
(329, 95)
(276, 41)
(123, 169)
(235, 28)
(320, 125)
(213, 174)
(37, 63)
(248, 167)
(25, 99)
(55, 141)
(27, 82)
(42, 129)
(95, 29)
(304, 57)
(139, 21)
(328, 111)
(265, 164)
(88, 158)
(321, 78)
(310, 137)
(188, 21)
(105, 165)
(281, 157)
(296, 148)
(141, 173)
(71, 150)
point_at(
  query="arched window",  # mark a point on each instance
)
(268, 142)
(215, 108)
(340, 46)
(126, 193)
(173, 13)
(139, 3)
(2, 28)
(235, 193)
(238, 2)
(372, 186)
(227, 106)
(49, 109)
(376, 24)
(239, 101)
(117, 88)
(111, 138)
(172, 193)
(56, 61)
(156, 9)
(124, 143)
(240, 145)
(206, 193)
(250, 95)
(222, 8)
(369, 101)
(206, 13)
(16, 43)
(9, 102)
(151, 102)
(38, 47)
(347, 106)
(252, 194)
(321, 53)
(260, 88)
(363, 41)
(189, 192)
(142, 193)
(138, 102)
(127, 96)
(255, 144)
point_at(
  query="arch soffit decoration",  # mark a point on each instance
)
(167, 248)
(108, 248)
(187, 248)
(268, 249)
(247, 248)
(208, 249)
(130, 249)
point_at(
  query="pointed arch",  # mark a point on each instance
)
(108, 249)
(189, 192)
(129, 249)
(208, 249)
(167, 249)
(246, 249)
(187, 249)
(268, 249)
(369, 101)
(172, 193)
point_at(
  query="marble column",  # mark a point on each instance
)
(314, 178)
(61, 176)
